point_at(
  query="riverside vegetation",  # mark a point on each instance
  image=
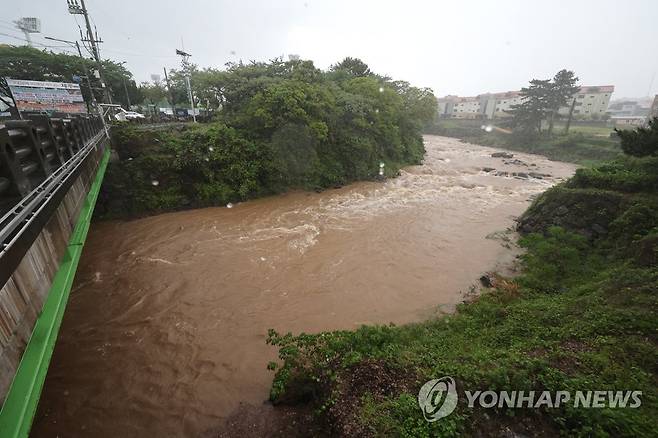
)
(281, 125)
(582, 316)
(585, 144)
(535, 127)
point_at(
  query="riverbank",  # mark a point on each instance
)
(586, 144)
(282, 126)
(581, 317)
(182, 167)
(166, 327)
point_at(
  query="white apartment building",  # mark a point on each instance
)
(589, 100)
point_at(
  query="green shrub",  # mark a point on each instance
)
(283, 125)
(581, 316)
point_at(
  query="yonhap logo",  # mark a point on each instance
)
(438, 398)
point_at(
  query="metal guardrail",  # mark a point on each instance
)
(31, 150)
(58, 147)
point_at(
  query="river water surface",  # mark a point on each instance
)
(164, 334)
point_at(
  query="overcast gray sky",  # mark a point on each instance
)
(463, 47)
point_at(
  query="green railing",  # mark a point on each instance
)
(23, 398)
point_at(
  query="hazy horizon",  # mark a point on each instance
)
(467, 48)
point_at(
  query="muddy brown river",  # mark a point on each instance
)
(164, 333)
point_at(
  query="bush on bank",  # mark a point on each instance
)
(581, 317)
(282, 125)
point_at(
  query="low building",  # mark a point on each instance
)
(503, 103)
(630, 107)
(628, 121)
(589, 101)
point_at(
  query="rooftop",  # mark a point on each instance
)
(588, 89)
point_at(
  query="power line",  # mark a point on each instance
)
(107, 16)
(76, 8)
(13, 36)
(139, 54)
(37, 44)
(6, 26)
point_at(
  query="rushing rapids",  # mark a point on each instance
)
(166, 326)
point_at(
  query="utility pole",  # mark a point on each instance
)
(84, 67)
(171, 93)
(653, 76)
(92, 39)
(573, 106)
(127, 96)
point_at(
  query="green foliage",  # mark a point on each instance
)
(624, 175)
(542, 99)
(582, 316)
(528, 115)
(154, 93)
(352, 66)
(399, 417)
(553, 259)
(281, 125)
(561, 93)
(23, 62)
(583, 146)
(640, 142)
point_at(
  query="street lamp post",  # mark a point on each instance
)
(125, 88)
(185, 56)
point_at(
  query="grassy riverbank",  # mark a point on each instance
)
(586, 145)
(581, 317)
(281, 125)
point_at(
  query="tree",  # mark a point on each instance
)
(542, 100)
(24, 62)
(640, 142)
(154, 93)
(561, 90)
(352, 66)
(534, 105)
(119, 80)
(178, 83)
(208, 86)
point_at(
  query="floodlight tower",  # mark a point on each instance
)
(28, 25)
(77, 7)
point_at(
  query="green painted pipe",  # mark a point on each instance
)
(23, 398)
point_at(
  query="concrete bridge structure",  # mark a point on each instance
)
(51, 170)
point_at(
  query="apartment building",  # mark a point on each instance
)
(589, 100)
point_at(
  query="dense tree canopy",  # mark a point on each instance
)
(24, 62)
(279, 124)
(541, 101)
(640, 142)
(560, 93)
(529, 114)
(348, 123)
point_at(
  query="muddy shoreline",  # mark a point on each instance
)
(165, 330)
